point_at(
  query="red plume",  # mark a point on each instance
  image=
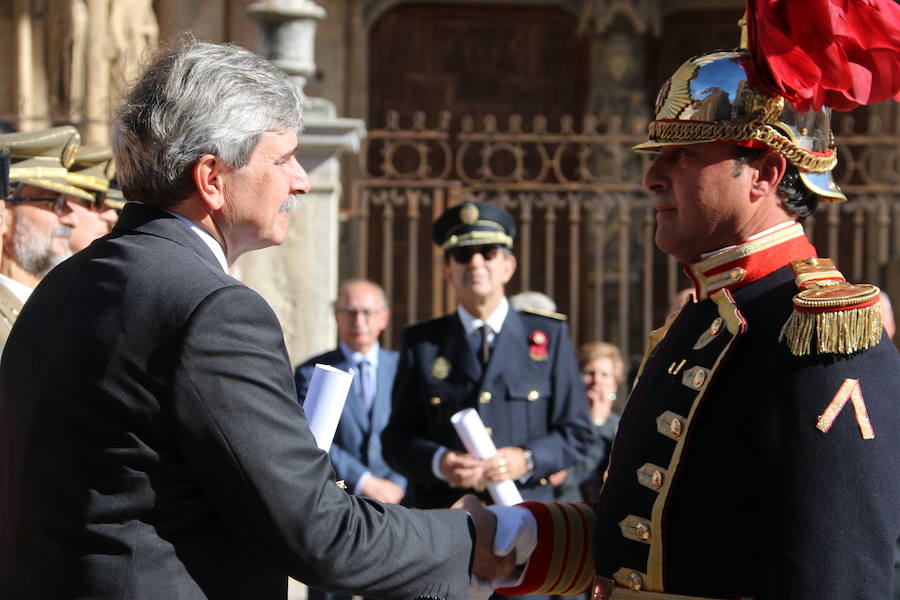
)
(835, 53)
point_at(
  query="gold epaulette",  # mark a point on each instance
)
(842, 317)
(544, 313)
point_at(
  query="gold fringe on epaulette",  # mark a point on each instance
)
(836, 332)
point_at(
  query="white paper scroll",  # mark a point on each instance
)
(478, 443)
(324, 403)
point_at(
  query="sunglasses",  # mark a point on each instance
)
(464, 254)
(60, 206)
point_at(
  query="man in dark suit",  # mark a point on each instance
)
(151, 442)
(517, 369)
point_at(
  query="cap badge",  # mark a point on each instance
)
(468, 214)
(440, 368)
(537, 348)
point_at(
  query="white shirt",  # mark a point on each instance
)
(473, 325)
(207, 239)
(19, 290)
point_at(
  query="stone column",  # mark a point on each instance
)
(300, 277)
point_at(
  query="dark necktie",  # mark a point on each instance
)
(485, 353)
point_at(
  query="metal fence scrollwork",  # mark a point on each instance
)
(585, 223)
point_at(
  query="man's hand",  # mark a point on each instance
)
(558, 478)
(485, 564)
(383, 490)
(508, 463)
(461, 470)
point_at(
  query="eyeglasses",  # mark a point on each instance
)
(97, 203)
(464, 254)
(365, 313)
(60, 206)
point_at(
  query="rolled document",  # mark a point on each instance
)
(324, 403)
(478, 443)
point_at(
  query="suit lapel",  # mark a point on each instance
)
(507, 346)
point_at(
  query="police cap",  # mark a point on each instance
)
(473, 224)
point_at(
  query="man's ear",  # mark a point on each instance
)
(208, 178)
(511, 264)
(769, 168)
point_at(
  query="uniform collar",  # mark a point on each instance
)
(736, 266)
(495, 320)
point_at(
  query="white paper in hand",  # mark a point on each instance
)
(471, 431)
(324, 403)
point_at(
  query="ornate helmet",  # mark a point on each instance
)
(711, 98)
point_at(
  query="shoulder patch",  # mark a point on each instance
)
(840, 317)
(544, 313)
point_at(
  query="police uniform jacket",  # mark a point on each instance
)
(530, 395)
(741, 469)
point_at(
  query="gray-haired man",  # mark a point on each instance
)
(156, 449)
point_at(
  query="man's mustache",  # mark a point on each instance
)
(61, 231)
(291, 204)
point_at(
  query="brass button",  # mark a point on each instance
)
(695, 377)
(489, 431)
(737, 274)
(812, 261)
(675, 427)
(340, 483)
(533, 395)
(670, 424)
(542, 481)
(485, 397)
(651, 476)
(635, 582)
(635, 528)
(435, 400)
(699, 378)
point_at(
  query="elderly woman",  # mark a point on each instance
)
(602, 371)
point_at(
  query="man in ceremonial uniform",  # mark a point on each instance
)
(92, 171)
(37, 219)
(517, 369)
(757, 453)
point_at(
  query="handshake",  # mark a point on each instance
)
(487, 565)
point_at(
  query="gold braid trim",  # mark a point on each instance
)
(837, 332)
(757, 129)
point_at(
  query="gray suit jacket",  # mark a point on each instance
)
(152, 445)
(357, 441)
